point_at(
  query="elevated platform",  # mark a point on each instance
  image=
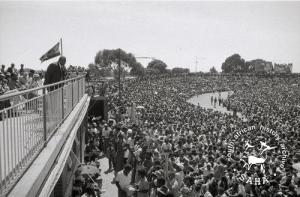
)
(43, 174)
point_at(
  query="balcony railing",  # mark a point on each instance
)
(28, 121)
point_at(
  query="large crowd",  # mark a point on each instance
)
(160, 145)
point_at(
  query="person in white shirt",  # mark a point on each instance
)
(123, 180)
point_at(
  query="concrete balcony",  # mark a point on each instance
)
(42, 138)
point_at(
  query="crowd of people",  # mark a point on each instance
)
(162, 145)
(158, 144)
(22, 79)
(13, 79)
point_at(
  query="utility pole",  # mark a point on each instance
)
(61, 48)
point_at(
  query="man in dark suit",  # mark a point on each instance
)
(56, 72)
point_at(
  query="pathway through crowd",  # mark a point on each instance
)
(204, 100)
(108, 189)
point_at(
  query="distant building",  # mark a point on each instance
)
(283, 68)
(261, 66)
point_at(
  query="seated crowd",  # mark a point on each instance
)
(165, 146)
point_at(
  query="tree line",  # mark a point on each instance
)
(107, 61)
(236, 64)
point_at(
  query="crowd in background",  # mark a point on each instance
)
(158, 144)
(165, 146)
(19, 79)
(13, 79)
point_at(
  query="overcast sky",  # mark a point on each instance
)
(175, 32)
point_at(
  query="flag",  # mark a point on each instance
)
(53, 52)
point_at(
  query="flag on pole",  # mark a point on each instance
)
(53, 52)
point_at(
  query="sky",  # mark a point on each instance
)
(177, 33)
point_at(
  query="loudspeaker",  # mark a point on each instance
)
(98, 107)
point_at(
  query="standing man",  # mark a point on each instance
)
(21, 69)
(56, 72)
(215, 102)
(123, 180)
(11, 69)
(2, 69)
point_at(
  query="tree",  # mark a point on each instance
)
(109, 59)
(95, 70)
(138, 69)
(91, 66)
(234, 63)
(158, 65)
(178, 70)
(213, 70)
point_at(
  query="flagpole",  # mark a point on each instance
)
(61, 48)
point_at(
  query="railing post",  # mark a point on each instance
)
(72, 94)
(83, 87)
(62, 102)
(78, 90)
(45, 116)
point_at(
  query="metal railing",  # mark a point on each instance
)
(28, 119)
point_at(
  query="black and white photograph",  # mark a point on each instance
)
(149, 98)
